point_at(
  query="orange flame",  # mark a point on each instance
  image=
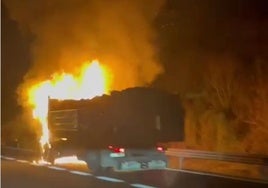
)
(93, 80)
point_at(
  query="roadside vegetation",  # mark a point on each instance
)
(229, 114)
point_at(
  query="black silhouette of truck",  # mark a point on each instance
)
(120, 131)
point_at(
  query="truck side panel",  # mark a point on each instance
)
(136, 117)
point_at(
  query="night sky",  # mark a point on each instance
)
(188, 31)
(192, 32)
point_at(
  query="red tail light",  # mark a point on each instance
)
(160, 149)
(116, 149)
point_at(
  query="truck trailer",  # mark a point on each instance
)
(121, 131)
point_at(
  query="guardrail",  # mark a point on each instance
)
(20, 152)
(238, 158)
(17, 149)
(258, 164)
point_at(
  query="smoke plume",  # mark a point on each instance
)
(118, 33)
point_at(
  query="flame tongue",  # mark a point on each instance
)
(92, 81)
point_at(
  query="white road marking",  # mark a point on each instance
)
(76, 172)
(56, 168)
(141, 185)
(36, 164)
(80, 173)
(8, 158)
(22, 161)
(109, 179)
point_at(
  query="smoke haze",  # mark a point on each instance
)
(69, 32)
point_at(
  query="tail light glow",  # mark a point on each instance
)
(160, 149)
(122, 150)
(116, 149)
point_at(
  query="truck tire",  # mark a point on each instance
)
(50, 155)
(108, 170)
(94, 167)
(93, 162)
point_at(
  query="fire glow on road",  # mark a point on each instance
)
(69, 160)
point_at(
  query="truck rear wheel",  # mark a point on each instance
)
(93, 161)
(108, 170)
(50, 155)
(94, 166)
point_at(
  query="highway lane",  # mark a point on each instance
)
(22, 173)
(187, 179)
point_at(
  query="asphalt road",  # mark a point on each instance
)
(24, 174)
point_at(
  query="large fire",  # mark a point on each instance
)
(92, 80)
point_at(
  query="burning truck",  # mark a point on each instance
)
(120, 131)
